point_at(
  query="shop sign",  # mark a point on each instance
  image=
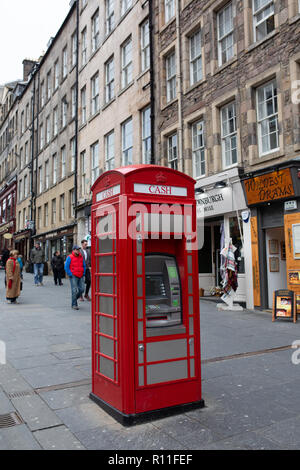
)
(221, 201)
(113, 191)
(269, 187)
(284, 305)
(160, 190)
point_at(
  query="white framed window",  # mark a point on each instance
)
(74, 48)
(225, 34)
(62, 207)
(172, 151)
(25, 186)
(95, 94)
(171, 76)
(41, 136)
(63, 161)
(26, 153)
(73, 101)
(73, 153)
(263, 18)
(83, 173)
(55, 121)
(48, 85)
(95, 31)
(53, 211)
(84, 47)
(54, 169)
(126, 64)
(125, 5)
(72, 203)
(229, 134)
(127, 142)
(95, 161)
(195, 58)
(48, 130)
(64, 112)
(39, 217)
(146, 135)
(109, 16)
(64, 62)
(46, 215)
(43, 101)
(145, 46)
(83, 105)
(110, 151)
(47, 175)
(40, 179)
(20, 195)
(198, 149)
(267, 118)
(109, 80)
(56, 75)
(169, 10)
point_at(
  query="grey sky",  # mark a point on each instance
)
(25, 29)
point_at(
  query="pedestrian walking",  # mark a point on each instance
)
(37, 257)
(13, 278)
(57, 264)
(4, 256)
(87, 258)
(75, 268)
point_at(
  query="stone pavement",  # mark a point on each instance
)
(252, 401)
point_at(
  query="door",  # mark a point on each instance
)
(165, 344)
(276, 261)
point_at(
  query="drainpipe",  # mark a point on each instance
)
(76, 112)
(152, 81)
(32, 147)
(179, 85)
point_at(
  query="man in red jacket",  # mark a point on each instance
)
(75, 269)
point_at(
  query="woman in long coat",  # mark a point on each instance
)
(13, 277)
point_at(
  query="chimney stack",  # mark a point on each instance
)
(27, 68)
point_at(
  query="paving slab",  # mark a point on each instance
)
(18, 438)
(59, 438)
(35, 413)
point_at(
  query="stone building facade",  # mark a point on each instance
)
(226, 77)
(47, 134)
(114, 93)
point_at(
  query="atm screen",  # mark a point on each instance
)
(155, 286)
(163, 291)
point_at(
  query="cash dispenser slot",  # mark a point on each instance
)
(163, 291)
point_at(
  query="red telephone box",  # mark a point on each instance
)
(145, 294)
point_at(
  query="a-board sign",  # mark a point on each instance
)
(284, 305)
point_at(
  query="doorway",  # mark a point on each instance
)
(276, 261)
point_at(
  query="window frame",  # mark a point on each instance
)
(172, 160)
(109, 158)
(126, 66)
(260, 120)
(197, 57)
(225, 36)
(255, 13)
(171, 82)
(196, 149)
(229, 136)
(127, 150)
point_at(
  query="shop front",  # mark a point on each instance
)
(223, 216)
(61, 240)
(273, 194)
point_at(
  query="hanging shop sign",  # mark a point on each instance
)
(284, 305)
(269, 187)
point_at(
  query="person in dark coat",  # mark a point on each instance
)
(4, 257)
(57, 264)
